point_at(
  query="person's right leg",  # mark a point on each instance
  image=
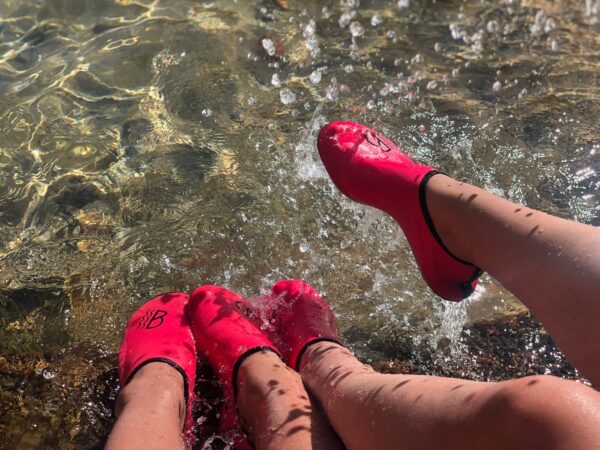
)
(369, 410)
(277, 410)
(552, 265)
(270, 398)
(373, 411)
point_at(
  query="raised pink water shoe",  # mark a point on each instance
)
(300, 318)
(159, 331)
(371, 169)
(227, 330)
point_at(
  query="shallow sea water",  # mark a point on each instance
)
(152, 146)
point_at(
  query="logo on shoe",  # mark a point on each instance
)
(246, 311)
(375, 140)
(153, 318)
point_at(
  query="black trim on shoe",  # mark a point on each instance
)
(466, 286)
(244, 357)
(174, 365)
(308, 344)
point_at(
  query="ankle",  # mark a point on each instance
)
(444, 198)
(257, 380)
(156, 386)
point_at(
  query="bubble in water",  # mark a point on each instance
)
(269, 46)
(403, 4)
(312, 44)
(315, 76)
(356, 29)
(376, 20)
(492, 26)
(348, 68)
(417, 59)
(275, 81)
(497, 86)
(286, 96)
(332, 92)
(455, 31)
(252, 101)
(310, 29)
(346, 18)
(206, 112)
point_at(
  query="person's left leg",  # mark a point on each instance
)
(262, 395)
(372, 410)
(150, 411)
(277, 410)
(157, 372)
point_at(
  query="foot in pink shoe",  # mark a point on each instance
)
(370, 169)
(300, 318)
(227, 331)
(159, 332)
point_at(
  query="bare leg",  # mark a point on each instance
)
(150, 411)
(552, 265)
(375, 411)
(277, 409)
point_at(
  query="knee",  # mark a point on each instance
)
(547, 411)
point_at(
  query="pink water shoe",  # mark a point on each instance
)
(159, 331)
(300, 318)
(371, 169)
(227, 330)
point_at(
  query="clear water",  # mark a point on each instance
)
(150, 146)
